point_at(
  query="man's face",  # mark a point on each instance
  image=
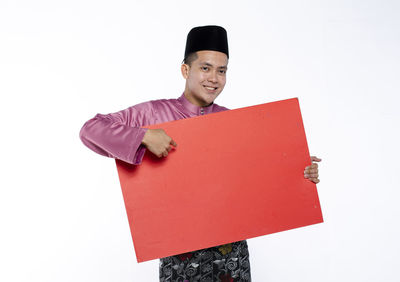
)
(205, 78)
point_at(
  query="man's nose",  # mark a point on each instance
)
(213, 77)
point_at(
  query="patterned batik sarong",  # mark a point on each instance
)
(226, 263)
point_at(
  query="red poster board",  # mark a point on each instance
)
(235, 175)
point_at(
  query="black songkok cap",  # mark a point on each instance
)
(209, 37)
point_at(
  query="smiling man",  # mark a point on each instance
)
(205, 77)
(121, 135)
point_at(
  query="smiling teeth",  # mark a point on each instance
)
(211, 88)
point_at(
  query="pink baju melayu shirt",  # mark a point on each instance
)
(119, 135)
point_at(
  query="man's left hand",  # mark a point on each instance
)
(311, 171)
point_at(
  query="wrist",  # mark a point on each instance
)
(146, 137)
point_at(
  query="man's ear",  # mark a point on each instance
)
(185, 70)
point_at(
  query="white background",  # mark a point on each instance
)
(62, 216)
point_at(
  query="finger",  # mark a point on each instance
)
(169, 148)
(310, 171)
(313, 179)
(165, 153)
(315, 159)
(312, 168)
(173, 143)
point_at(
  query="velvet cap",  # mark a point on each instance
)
(209, 37)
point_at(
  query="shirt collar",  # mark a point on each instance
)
(197, 110)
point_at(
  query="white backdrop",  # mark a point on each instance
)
(61, 209)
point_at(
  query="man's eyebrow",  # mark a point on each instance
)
(210, 65)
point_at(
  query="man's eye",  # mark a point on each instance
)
(204, 68)
(222, 71)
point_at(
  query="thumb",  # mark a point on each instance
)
(315, 159)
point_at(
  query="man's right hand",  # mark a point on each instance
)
(158, 142)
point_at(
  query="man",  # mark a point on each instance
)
(120, 135)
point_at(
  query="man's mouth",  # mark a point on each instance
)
(210, 88)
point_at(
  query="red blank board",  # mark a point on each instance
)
(235, 175)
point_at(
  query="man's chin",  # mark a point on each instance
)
(210, 98)
(203, 99)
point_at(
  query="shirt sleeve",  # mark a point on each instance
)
(119, 135)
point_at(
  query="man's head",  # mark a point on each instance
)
(205, 64)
